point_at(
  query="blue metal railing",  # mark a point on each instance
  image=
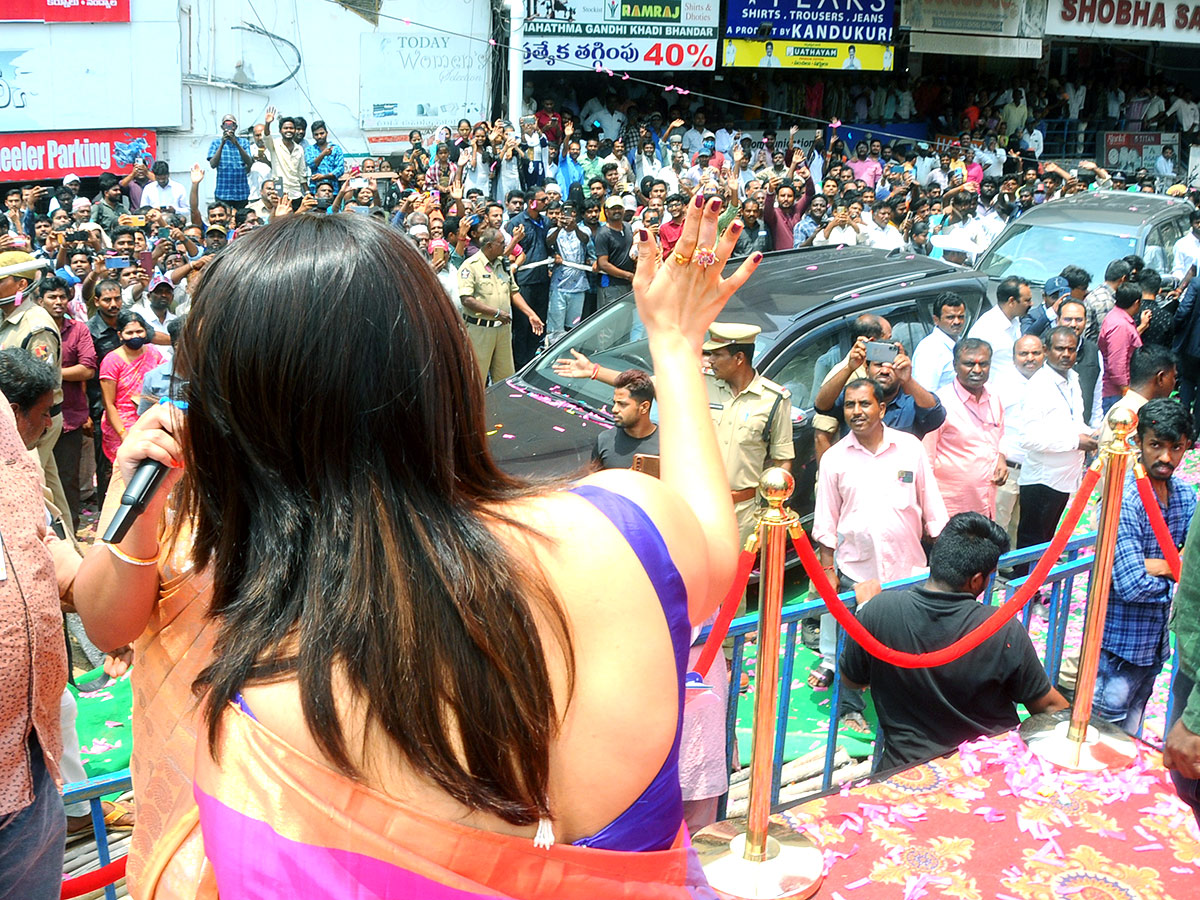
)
(1059, 581)
(92, 791)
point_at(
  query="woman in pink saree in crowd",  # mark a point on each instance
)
(416, 675)
(121, 376)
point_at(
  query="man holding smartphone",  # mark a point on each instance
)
(230, 156)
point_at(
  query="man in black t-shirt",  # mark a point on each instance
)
(928, 712)
(614, 243)
(633, 395)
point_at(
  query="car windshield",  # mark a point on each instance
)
(1038, 252)
(616, 339)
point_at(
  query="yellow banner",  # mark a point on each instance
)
(807, 55)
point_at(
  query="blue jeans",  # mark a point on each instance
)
(566, 308)
(1107, 403)
(1122, 691)
(1187, 788)
(32, 839)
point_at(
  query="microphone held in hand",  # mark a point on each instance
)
(142, 486)
(145, 481)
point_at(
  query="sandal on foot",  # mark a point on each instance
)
(820, 678)
(855, 722)
(117, 817)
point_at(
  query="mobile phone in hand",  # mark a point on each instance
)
(881, 351)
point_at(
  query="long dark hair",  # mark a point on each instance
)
(340, 489)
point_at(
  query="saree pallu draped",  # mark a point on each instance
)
(279, 824)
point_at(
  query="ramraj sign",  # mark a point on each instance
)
(616, 11)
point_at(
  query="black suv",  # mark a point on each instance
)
(804, 301)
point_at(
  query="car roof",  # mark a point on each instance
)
(789, 283)
(1096, 210)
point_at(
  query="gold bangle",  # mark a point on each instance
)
(125, 557)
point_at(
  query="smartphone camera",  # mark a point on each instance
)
(882, 351)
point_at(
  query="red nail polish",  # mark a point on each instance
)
(699, 201)
(643, 235)
(716, 206)
(736, 225)
(757, 258)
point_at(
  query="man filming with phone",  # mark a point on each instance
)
(908, 407)
(230, 156)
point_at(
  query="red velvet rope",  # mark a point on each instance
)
(972, 639)
(728, 608)
(93, 881)
(1157, 522)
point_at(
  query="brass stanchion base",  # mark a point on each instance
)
(794, 867)
(1105, 747)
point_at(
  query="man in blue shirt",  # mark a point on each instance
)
(230, 156)
(909, 407)
(326, 162)
(533, 276)
(1135, 643)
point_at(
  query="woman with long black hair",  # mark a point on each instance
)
(413, 668)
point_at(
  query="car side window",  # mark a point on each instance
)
(806, 363)
(1160, 248)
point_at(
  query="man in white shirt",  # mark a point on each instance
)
(1000, 326)
(769, 60)
(287, 156)
(260, 169)
(1012, 389)
(694, 136)
(164, 190)
(933, 359)
(1187, 253)
(851, 61)
(1054, 450)
(647, 162)
(1186, 112)
(881, 233)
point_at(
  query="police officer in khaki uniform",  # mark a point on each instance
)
(752, 416)
(27, 325)
(489, 293)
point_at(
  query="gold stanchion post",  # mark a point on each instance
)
(1070, 738)
(755, 858)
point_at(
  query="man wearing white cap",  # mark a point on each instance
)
(71, 182)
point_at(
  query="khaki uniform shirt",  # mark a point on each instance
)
(487, 282)
(745, 439)
(31, 327)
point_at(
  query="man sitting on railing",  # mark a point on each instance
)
(928, 712)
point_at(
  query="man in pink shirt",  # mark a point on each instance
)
(965, 450)
(1120, 335)
(866, 167)
(876, 498)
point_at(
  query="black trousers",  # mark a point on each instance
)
(66, 457)
(103, 464)
(1189, 376)
(1041, 508)
(525, 342)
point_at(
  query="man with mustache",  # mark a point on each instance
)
(1135, 643)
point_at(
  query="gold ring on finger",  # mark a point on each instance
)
(703, 257)
(681, 259)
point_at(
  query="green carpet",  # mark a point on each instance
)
(103, 724)
(808, 713)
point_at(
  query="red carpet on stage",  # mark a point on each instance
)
(993, 822)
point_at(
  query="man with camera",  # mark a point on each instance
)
(230, 156)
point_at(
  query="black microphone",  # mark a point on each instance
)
(141, 487)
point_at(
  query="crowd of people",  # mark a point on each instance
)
(498, 236)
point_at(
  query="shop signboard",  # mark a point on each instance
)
(64, 11)
(775, 54)
(666, 35)
(1130, 150)
(1130, 20)
(1008, 18)
(421, 78)
(49, 155)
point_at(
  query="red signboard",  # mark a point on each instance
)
(64, 11)
(47, 155)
